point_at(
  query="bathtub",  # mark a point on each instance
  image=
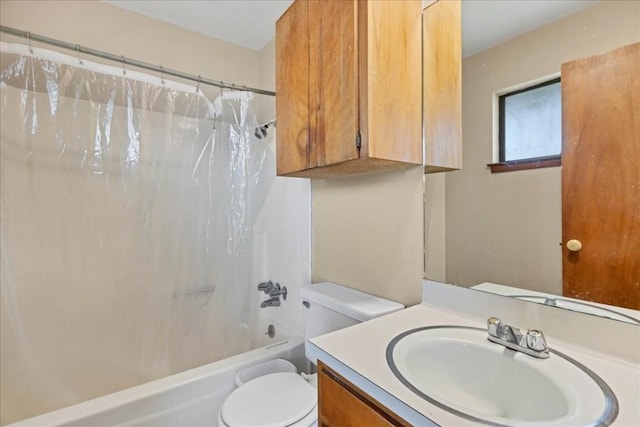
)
(189, 398)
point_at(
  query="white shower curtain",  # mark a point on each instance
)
(126, 218)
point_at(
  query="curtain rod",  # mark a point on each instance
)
(128, 61)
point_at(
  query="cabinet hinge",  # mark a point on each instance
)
(358, 140)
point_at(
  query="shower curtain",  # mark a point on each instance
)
(126, 219)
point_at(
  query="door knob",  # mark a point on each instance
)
(574, 245)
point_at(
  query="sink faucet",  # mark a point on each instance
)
(531, 342)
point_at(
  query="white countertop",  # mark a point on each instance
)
(358, 354)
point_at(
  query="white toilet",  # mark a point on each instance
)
(285, 399)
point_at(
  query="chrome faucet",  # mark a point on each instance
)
(531, 342)
(274, 290)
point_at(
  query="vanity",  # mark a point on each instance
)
(432, 364)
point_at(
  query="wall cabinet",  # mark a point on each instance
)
(348, 76)
(342, 404)
(442, 86)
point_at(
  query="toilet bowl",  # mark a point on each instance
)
(273, 395)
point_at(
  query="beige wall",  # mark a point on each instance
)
(368, 233)
(505, 228)
(267, 65)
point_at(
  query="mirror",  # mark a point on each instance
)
(506, 228)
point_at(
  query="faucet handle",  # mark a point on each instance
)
(266, 287)
(494, 326)
(535, 340)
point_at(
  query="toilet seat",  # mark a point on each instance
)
(275, 400)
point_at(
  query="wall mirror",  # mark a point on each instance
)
(508, 228)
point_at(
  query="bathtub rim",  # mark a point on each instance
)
(131, 395)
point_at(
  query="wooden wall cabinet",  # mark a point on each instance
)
(348, 76)
(342, 404)
(442, 86)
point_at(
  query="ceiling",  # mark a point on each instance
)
(251, 23)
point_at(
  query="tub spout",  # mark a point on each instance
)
(271, 302)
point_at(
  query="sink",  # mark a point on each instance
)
(457, 369)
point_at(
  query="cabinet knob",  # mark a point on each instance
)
(574, 245)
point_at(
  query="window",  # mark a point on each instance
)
(530, 127)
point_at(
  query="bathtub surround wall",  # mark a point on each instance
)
(284, 225)
(281, 247)
(506, 228)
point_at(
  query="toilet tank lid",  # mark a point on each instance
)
(350, 302)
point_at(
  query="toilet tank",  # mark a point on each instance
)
(329, 307)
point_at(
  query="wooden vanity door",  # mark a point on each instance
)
(342, 404)
(601, 178)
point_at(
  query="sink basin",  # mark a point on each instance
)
(457, 369)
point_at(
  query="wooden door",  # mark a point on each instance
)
(292, 87)
(601, 177)
(333, 91)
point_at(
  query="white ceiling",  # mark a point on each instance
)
(251, 23)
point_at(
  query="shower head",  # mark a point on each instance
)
(261, 131)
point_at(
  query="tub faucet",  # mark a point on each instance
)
(531, 342)
(274, 290)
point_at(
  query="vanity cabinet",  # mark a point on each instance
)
(348, 76)
(342, 404)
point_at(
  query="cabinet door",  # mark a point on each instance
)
(333, 91)
(390, 41)
(341, 404)
(292, 88)
(442, 86)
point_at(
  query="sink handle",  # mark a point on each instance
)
(494, 326)
(535, 340)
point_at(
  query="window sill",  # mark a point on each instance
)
(518, 165)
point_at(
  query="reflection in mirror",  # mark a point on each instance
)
(507, 228)
(604, 310)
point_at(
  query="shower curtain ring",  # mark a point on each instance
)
(124, 60)
(29, 38)
(79, 59)
(162, 74)
(198, 84)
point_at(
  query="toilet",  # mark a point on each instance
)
(285, 398)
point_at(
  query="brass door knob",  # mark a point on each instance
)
(574, 245)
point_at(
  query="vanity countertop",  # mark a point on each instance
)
(358, 354)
